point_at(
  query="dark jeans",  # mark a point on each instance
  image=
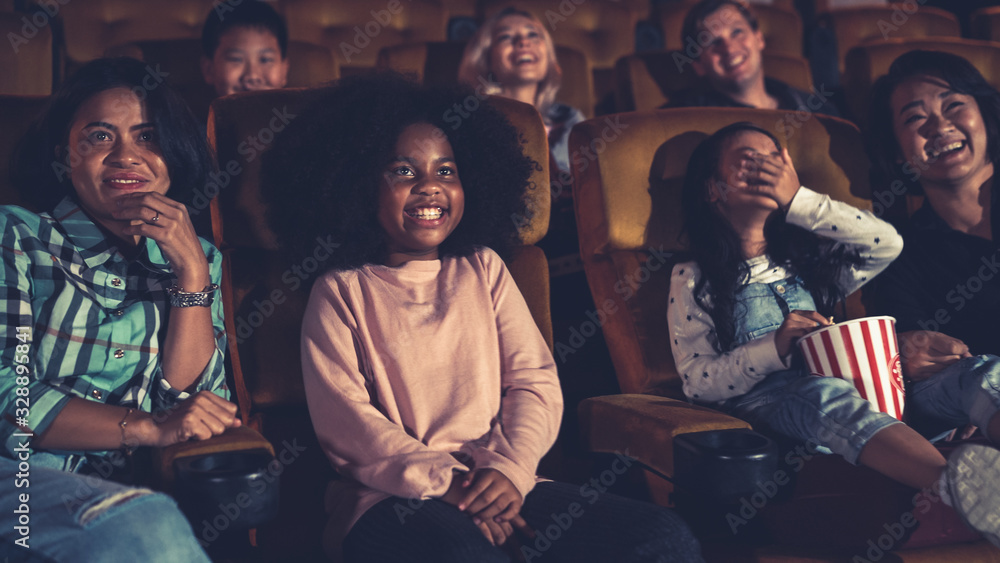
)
(573, 524)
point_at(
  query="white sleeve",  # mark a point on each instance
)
(707, 375)
(876, 241)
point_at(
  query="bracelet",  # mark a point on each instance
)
(126, 448)
(203, 298)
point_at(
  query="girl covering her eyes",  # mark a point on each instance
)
(429, 385)
(771, 259)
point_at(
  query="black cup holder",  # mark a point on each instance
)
(723, 465)
(227, 490)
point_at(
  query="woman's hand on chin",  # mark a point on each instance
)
(167, 222)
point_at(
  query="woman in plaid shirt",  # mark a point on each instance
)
(112, 337)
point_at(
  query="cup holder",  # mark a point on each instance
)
(723, 465)
(229, 490)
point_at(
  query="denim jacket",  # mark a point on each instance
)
(770, 293)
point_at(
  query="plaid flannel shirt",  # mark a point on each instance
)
(96, 320)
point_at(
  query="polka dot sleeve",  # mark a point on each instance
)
(707, 375)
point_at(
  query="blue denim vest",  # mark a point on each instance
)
(761, 307)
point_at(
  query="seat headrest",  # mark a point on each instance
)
(629, 168)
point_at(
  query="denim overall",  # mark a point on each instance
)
(821, 411)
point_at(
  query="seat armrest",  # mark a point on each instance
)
(643, 427)
(242, 438)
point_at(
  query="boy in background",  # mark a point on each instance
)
(244, 47)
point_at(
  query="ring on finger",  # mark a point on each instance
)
(156, 217)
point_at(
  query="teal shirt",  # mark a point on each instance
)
(96, 321)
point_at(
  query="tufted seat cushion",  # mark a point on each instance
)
(355, 30)
(865, 63)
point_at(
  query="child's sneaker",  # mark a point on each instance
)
(973, 476)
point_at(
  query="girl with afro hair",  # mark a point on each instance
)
(429, 385)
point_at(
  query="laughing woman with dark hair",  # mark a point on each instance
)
(109, 313)
(936, 131)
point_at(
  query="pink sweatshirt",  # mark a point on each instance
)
(411, 372)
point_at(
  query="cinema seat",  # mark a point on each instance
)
(268, 298)
(627, 202)
(16, 114)
(856, 26)
(26, 60)
(437, 64)
(310, 65)
(90, 28)
(646, 80)
(828, 5)
(355, 30)
(867, 62)
(985, 23)
(782, 27)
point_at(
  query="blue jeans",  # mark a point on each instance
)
(965, 392)
(822, 411)
(573, 524)
(70, 517)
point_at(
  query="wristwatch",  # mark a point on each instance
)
(203, 298)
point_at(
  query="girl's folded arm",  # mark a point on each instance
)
(361, 442)
(531, 398)
(706, 374)
(876, 241)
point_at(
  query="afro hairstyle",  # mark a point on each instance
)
(321, 177)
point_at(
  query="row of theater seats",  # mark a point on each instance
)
(627, 208)
(336, 38)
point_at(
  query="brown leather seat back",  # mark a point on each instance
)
(26, 59)
(355, 30)
(866, 63)
(627, 201)
(266, 292)
(91, 27)
(646, 80)
(16, 114)
(855, 26)
(437, 63)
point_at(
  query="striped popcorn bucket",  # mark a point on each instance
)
(864, 352)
